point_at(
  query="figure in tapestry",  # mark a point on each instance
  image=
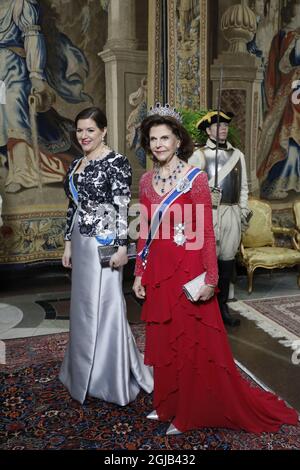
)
(34, 139)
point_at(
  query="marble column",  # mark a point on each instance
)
(121, 25)
(125, 67)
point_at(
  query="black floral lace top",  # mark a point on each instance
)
(103, 198)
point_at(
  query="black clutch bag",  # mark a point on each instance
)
(106, 252)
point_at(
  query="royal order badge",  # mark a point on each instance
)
(179, 237)
(184, 185)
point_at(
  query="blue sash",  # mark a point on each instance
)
(74, 193)
(163, 206)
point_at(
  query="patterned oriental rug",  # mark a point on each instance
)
(278, 316)
(36, 412)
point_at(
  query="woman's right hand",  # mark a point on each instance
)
(66, 258)
(205, 293)
(138, 289)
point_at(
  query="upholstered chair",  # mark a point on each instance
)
(258, 246)
(296, 210)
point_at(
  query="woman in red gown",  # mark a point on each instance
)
(196, 382)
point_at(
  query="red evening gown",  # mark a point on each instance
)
(196, 382)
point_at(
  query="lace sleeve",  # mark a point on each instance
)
(201, 195)
(72, 206)
(70, 220)
(120, 177)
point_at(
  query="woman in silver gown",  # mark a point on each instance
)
(102, 359)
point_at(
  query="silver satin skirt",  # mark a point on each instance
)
(102, 359)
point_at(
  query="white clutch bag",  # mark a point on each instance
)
(191, 288)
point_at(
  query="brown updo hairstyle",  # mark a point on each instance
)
(186, 144)
(94, 113)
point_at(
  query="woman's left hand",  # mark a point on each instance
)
(205, 293)
(119, 259)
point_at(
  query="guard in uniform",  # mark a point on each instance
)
(231, 216)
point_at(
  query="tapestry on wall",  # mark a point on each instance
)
(277, 43)
(188, 26)
(187, 71)
(191, 53)
(271, 124)
(49, 71)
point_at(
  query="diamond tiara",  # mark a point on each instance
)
(166, 110)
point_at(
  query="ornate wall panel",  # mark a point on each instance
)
(187, 80)
(255, 119)
(30, 236)
(188, 50)
(234, 100)
(154, 52)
